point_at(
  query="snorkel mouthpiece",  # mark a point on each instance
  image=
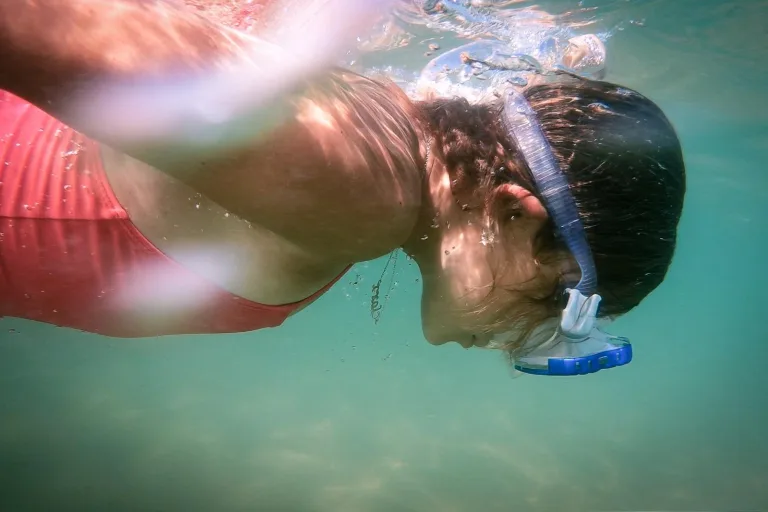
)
(578, 346)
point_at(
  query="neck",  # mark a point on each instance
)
(435, 213)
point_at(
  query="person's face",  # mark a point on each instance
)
(470, 273)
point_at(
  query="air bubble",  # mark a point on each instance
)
(517, 80)
(487, 237)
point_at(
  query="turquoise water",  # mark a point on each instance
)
(334, 413)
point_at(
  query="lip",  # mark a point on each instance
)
(474, 341)
(467, 343)
(466, 340)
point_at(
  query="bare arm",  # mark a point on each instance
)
(61, 54)
(340, 166)
(49, 46)
(162, 83)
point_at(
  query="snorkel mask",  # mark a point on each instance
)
(578, 346)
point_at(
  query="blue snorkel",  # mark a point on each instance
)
(578, 346)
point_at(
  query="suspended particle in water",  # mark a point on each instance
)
(424, 237)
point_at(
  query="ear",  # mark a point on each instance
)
(528, 202)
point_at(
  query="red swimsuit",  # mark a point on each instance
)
(70, 256)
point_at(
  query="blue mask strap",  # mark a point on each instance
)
(523, 126)
(578, 346)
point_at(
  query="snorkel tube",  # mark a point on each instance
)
(578, 346)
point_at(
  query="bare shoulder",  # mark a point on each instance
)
(341, 178)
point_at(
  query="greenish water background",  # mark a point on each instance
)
(334, 413)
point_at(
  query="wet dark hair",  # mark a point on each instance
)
(624, 164)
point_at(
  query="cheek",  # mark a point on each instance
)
(440, 321)
(450, 305)
(467, 277)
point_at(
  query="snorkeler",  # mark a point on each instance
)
(523, 214)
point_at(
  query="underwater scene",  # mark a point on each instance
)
(345, 407)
